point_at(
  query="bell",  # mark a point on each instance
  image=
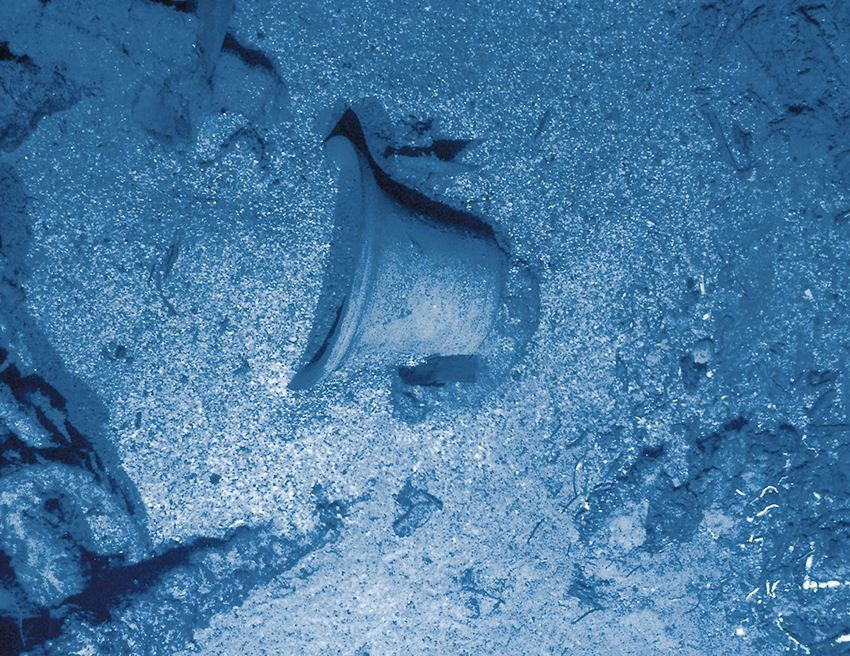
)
(408, 278)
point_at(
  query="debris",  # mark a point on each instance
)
(417, 505)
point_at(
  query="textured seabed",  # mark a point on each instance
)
(654, 461)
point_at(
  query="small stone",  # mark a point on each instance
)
(703, 351)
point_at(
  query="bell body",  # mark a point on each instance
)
(414, 286)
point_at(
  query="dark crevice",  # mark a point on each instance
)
(28, 93)
(798, 109)
(20, 633)
(653, 452)
(185, 6)
(114, 588)
(23, 387)
(69, 445)
(441, 370)
(5, 53)
(250, 56)
(443, 149)
(8, 55)
(14, 451)
(108, 585)
(735, 424)
(692, 372)
(22, 626)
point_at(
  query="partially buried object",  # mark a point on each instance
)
(408, 278)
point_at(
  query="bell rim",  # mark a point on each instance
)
(347, 326)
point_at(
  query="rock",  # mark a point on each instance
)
(418, 506)
(50, 513)
(28, 94)
(703, 351)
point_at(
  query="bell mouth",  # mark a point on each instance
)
(347, 274)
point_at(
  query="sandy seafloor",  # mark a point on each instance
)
(662, 467)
